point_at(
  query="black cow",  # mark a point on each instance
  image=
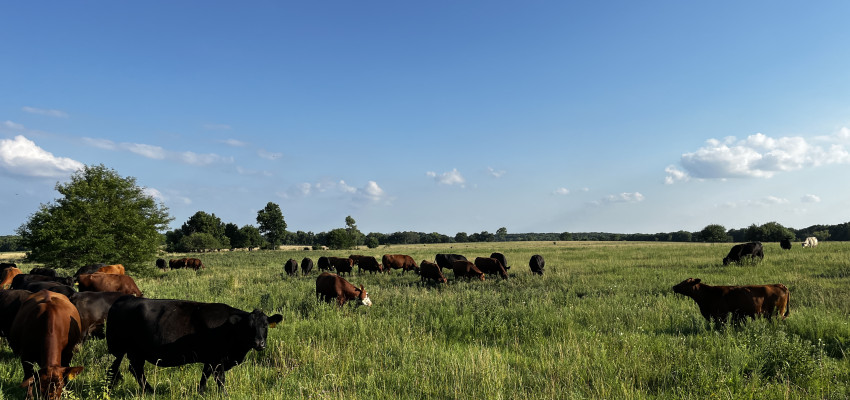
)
(341, 265)
(50, 272)
(7, 265)
(785, 244)
(20, 280)
(446, 260)
(502, 259)
(161, 263)
(740, 251)
(93, 308)
(306, 266)
(10, 303)
(291, 267)
(169, 333)
(324, 264)
(536, 264)
(36, 286)
(88, 269)
(370, 264)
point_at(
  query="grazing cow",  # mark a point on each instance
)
(45, 331)
(715, 302)
(785, 244)
(491, 266)
(810, 241)
(466, 269)
(330, 286)
(740, 251)
(115, 269)
(169, 333)
(324, 264)
(194, 263)
(10, 303)
(161, 264)
(446, 260)
(8, 275)
(536, 264)
(370, 264)
(109, 283)
(177, 263)
(306, 266)
(88, 269)
(36, 286)
(355, 259)
(429, 270)
(398, 261)
(342, 265)
(291, 267)
(93, 308)
(21, 279)
(502, 259)
(43, 271)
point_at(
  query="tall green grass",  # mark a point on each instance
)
(602, 322)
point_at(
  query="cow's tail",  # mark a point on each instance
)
(787, 301)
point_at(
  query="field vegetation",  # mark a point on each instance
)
(602, 323)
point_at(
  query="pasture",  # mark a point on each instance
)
(601, 323)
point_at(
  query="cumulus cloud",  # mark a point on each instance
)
(810, 198)
(22, 157)
(635, 197)
(47, 112)
(759, 156)
(450, 178)
(495, 173)
(561, 191)
(159, 153)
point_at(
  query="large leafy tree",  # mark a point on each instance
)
(201, 222)
(100, 217)
(271, 224)
(713, 233)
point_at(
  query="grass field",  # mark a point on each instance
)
(602, 323)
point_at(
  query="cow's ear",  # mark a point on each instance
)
(234, 319)
(72, 372)
(274, 320)
(362, 289)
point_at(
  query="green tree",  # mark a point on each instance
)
(339, 239)
(565, 236)
(713, 233)
(502, 234)
(821, 235)
(100, 217)
(372, 242)
(461, 237)
(199, 241)
(272, 225)
(351, 227)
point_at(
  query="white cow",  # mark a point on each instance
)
(810, 241)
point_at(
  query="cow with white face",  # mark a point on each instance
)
(810, 241)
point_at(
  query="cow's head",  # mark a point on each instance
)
(726, 260)
(51, 381)
(253, 327)
(687, 287)
(362, 297)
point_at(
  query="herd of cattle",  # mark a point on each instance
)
(44, 317)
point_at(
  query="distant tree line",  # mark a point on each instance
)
(11, 243)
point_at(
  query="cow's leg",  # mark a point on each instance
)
(29, 377)
(114, 375)
(137, 368)
(219, 378)
(208, 370)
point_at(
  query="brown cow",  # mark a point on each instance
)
(491, 266)
(194, 263)
(716, 302)
(466, 269)
(370, 264)
(330, 286)
(341, 265)
(115, 269)
(429, 270)
(177, 264)
(398, 261)
(45, 331)
(108, 283)
(8, 275)
(355, 258)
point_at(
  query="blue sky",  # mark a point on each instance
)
(437, 116)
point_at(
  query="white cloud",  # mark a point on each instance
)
(452, 177)
(21, 156)
(202, 160)
(561, 191)
(159, 153)
(810, 198)
(759, 156)
(675, 175)
(370, 193)
(494, 173)
(100, 143)
(13, 125)
(156, 194)
(269, 155)
(49, 113)
(146, 150)
(635, 197)
(763, 202)
(234, 142)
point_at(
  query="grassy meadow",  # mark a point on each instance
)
(602, 323)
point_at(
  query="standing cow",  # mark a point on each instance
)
(716, 302)
(746, 250)
(330, 286)
(810, 241)
(169, 333)
(291, 267)
(466, 269)
(536, 264)
(324, 265)
(502, 259)
(429, 270)
(785, 244)
(398, 261)
(370, 264)
(491, 266)
(341, 265)
(306, 266)
(445, 260)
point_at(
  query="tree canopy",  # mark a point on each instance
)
(100, 217)
(271, 224)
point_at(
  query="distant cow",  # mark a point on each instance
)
(740, 251)
(330, 286)
(370, 264)
(9, 274)
(446, 260)
(108, 283)
(161, 264)
(491, 266)
(785, 244)
(502, 259)
(45, 331)
(115, 269)
(194, 263)
(466, 269)
(810, 241)
(169, 333)
(10, 303)
(716, 302)
(291, 267)
(177, 263)
(341, 265)
(431, 271)
(324, 265)
(306, 266)
(398, 261)
(536, 264)
(93, 308)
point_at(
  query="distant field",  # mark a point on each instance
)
(602, 323)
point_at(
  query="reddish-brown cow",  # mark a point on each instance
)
(8, 275)
(194, 263)
(330, 286)
(115, 269)
(466, 269)
(429, 270)
(108, 283)
(491, 266)
(716, 302)
(45, 331)
(398, 261)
